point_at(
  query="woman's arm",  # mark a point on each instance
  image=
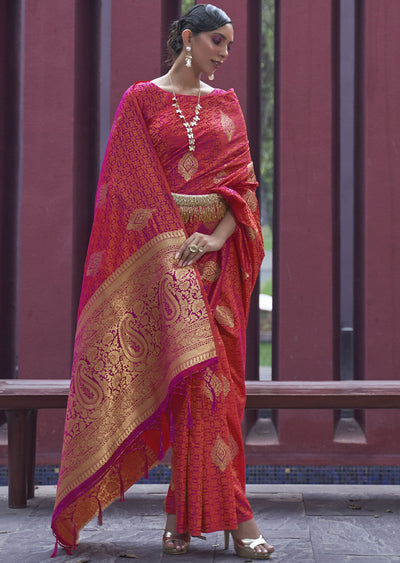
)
(208, 243)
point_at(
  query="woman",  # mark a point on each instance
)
(159, 353)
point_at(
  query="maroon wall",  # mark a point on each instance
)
(135, 45)
(306, 236)
(304, 318)
(75, 60)
(44, 338)
(378, 211)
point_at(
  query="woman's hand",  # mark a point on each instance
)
(198, 243)
(195, 246)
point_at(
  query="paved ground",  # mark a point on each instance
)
(306, 523)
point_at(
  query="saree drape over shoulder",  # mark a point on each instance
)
(160, 350)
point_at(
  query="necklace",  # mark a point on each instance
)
(188, 125)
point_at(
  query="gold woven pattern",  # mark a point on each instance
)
(208, 207)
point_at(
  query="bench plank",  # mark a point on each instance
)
(20, 394)
(17, 394)
(323, 394)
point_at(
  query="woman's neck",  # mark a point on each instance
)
(185, 80)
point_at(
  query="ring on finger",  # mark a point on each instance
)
(193, 248)
(200, 249)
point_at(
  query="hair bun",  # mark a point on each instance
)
(174, 28)
(175, 42)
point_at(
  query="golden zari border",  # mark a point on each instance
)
(204, 207)
(145, 325)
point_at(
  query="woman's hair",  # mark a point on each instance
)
(202, 17)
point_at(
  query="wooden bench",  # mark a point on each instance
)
(21, 400)
(323, 394)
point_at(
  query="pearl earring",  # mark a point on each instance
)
(188, 57)
(211, 76)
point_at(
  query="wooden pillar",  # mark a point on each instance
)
(305, 231)
(86, 149)
(171, 11)
(377, 278)
(135, 45)
(11, 38)
(45, 305)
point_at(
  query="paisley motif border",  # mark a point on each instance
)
(143, 327)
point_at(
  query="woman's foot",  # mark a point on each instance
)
(248, 539)
(173, 543)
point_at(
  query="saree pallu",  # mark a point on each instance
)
(148, 348)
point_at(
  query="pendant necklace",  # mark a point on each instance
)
(188, 125)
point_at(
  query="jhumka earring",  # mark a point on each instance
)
(188, 57)
(211, 76)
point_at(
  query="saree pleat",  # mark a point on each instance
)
(208, 480)
(159, 350)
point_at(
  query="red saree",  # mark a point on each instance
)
(159, 350)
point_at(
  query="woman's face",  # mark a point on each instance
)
(211, 48)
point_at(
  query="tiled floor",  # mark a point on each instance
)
(306, 523)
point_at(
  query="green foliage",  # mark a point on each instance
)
(267, 287)
(265, 353)
(186, 5)
(267, 110)
(267, 236)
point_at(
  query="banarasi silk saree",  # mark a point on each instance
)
(160, 350)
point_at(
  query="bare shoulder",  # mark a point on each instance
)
(163, 83)
(160, 81)
(205, 88)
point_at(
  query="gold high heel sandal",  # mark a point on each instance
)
(170, 537)
(246, 547)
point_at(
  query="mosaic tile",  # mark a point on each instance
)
(263, 474)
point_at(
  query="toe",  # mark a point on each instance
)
(265, 548)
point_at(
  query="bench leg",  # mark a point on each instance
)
(31, 453)
(17, 421)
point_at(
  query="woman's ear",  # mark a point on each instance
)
(186, 37)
